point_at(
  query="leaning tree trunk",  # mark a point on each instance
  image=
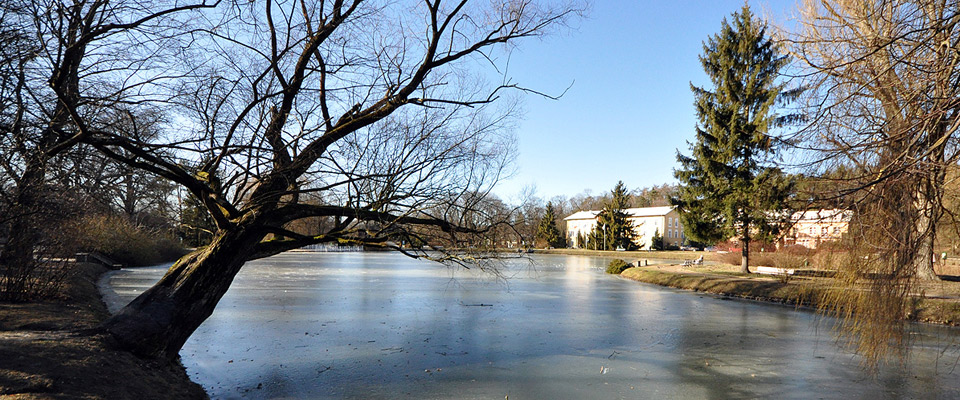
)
(745, 254)
(158, 322)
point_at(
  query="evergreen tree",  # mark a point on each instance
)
(613, 230)
(656, 243)
(547, 229)
(729, 188)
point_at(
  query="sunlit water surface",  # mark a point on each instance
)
(383, 326)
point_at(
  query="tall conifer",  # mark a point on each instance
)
(547, 229)
(729, 186)
(612, 224)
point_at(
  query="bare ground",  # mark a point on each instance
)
(52, 350)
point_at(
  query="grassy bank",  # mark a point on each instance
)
(743, 287)
(937, 302)
(51, 350)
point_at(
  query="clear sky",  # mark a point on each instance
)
(630, 107)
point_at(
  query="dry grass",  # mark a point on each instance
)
(724, 279)
(938, 302)
(129, 244)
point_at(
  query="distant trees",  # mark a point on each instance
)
(547, 231)
(728, 184)
(653, 196)
(613, 230)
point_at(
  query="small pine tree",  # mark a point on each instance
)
(547, 230)
(656, 242)
(613, 230)
(728, 188)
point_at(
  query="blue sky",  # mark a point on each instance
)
(630, 107)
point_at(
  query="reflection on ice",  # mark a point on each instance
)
(362, 325)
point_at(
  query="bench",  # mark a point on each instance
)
(698, 261)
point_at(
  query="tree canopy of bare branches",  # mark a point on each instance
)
(366, 118)
(64, 63)
(885, 101)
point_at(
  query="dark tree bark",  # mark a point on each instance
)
(745, 254)
(159, 321)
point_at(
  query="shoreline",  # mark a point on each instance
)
(944, 310)
(52, 350)
(938, 302)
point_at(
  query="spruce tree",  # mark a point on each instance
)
(547, 229)
(656, 242)
(612, 224)
(730, 187)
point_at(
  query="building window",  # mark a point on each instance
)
(823, 230)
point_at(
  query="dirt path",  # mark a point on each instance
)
(50, 350)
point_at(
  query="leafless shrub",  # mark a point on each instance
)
(121, 240)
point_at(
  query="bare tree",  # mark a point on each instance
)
(61, 63)
(114, 187)
(363, 114)
(885, 85)
(885, 94)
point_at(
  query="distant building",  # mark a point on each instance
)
(646, 221)
(813, 227)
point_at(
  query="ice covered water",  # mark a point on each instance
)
(381, 325)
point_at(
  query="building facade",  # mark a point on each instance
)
(647, 222)
(813, 227)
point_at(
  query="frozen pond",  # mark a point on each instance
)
(383, 326)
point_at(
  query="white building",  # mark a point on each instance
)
(647, 222)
